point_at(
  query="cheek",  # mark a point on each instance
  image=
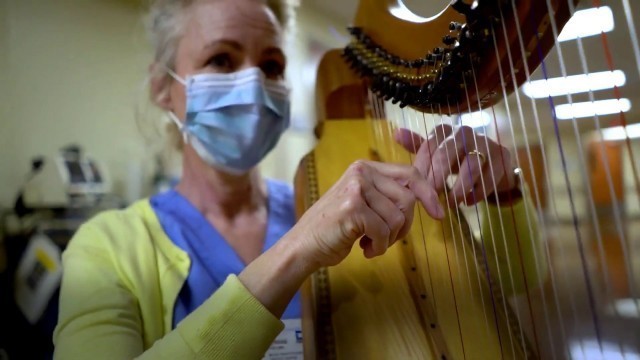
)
(178, 99)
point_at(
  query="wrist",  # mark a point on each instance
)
(275, 276)
(510, 195)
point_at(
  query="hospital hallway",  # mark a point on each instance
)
(587, 309)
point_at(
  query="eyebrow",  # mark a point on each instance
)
(237, 46)
(234, 44)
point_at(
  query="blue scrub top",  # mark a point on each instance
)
(212, 258)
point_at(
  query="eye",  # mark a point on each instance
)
(273, 69)
(221, 62)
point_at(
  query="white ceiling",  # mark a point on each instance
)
(619, 46)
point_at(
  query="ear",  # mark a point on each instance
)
(159, 87)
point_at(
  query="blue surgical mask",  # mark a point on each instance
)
(234, 120)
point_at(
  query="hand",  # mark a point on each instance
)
(448, 150)
(373, 201)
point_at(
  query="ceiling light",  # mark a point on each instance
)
(476, 119)
(621, 133)
(589, 349)
(574, 84)
(587, 109)
(588, 22)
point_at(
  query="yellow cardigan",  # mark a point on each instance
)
(122, 275)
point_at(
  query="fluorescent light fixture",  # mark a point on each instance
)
(587, 109)
(574, 84)
(590, 349)
(476, 119)
(620, 133)
(588, 22)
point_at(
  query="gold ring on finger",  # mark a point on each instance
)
(480, 155)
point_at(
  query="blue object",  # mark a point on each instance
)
(234, 120)
(212, 258)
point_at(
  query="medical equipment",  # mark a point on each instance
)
(69, 179)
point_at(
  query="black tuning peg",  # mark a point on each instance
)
(461, 7)
(455, 26)
(449, 40)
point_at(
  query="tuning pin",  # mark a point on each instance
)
(389, 86)
(401, 88)
(354, 30)
(461, 7)
(453, 26)
(449, 40)
(409, 97)
(418, 63)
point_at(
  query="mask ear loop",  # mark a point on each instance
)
(180, 126)
(175, 76)
(173, 116)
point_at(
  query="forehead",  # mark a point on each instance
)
(244, 21)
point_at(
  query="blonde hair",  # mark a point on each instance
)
(165, 23)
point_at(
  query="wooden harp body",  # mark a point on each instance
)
(432, 296)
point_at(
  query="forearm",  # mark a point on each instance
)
(275, 276)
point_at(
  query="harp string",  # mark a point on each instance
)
(539, 212)
(617, 216)
(456, 305)
(572, 207)
(397, 157)
(485, 263)
(618, 95)
(536, 186)
(527, 215)
(570, 193)
(464, 251)
(446, 247)
(551, 191)
(509, 116)
(489, 172)
(527, 289)
(473, 73)
(459, 213)
(632, 32)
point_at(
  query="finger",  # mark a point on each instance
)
(480, 190)
(376, 230)
(401, 197)
(423, 161)
(410, 177)
(449, 155)
(469, 174)
(386, 209)
(408, 139)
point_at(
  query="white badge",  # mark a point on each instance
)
(37, 277)
(288, 345)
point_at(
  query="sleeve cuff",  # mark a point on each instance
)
(231, 324)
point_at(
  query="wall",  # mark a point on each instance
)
(313, 33)
(74, 75)
(73, 71)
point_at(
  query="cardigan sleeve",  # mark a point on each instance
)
(99, 315)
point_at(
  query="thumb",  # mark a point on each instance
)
(408, 139)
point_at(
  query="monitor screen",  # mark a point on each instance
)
(76, 175)
(95, 173)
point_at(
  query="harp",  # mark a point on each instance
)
(463, 287)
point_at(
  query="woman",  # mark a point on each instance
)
(209, 268)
